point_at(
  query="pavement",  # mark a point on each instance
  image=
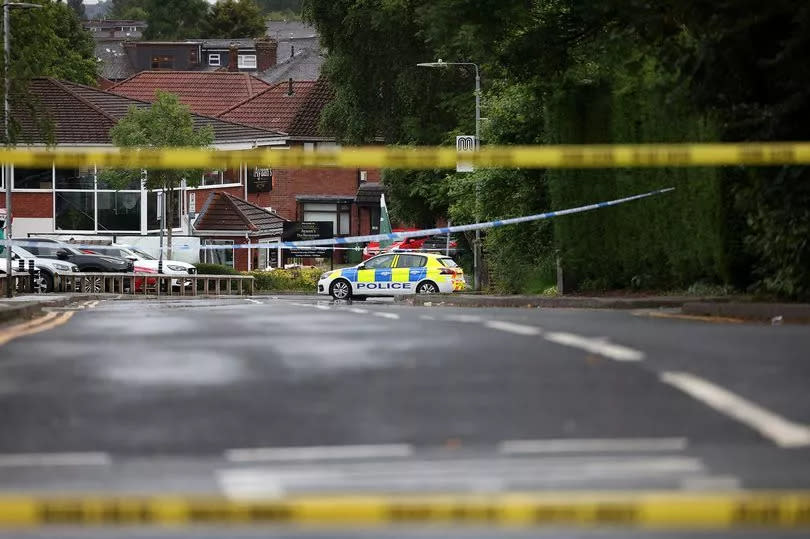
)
(275, 396)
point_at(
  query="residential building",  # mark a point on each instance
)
(105, 29)
(54, 201)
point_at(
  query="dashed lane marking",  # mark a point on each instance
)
(44, 323)
(427, 317)
(327, 452)
(781, 431)
(355, 310)
(511, 327)
(595, 346)
(20, 460)
(257, 302)
(466, 318)
(322, 307)
(391, 316)
(591, 445)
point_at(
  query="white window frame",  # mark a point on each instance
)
(243, 63)
(211, 57)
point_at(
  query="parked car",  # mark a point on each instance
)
(142, 259)
(48, 268)
(48, 248)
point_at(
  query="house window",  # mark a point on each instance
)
(223, 257)
(362, 176)
(337, 214)
(213, 60)
(163, 62)
(213, 177)
(193, 59)
(247, 61)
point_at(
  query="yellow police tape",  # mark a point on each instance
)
(646, 510)
(594, 156)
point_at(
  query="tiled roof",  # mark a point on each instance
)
(305, 65)
(115, 63)
(84, 115)
(225, 212)
(297, 114)
(204, 92)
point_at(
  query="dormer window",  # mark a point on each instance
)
(214, 60)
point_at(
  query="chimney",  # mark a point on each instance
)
(290, 90)
(233, 57)
(266, 53)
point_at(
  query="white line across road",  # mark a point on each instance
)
(326, 452)
(781, 431)
(390, 316)
(355, 310)
(322, 307)
(595, 346)
(19, 460)
(257, 302)
(511, 327)
(591, 445)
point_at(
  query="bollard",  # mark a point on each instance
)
(31, 276)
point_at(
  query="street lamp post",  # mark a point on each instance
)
(477, 242)
(6, 113)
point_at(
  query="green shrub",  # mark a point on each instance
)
(303, 279)
(215, 269)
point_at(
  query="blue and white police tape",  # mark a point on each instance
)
(395, 236)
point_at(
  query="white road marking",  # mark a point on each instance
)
(426, 317)
(392, 316)
(711, 483)
(591, 445)
(595, 346)
(323, 307)
(15, 460)
(781, 431)
(326, 452)
(518, 329)
(257, 302)
(92, 304)
(468, 318)
(355, 310)
(459, 474)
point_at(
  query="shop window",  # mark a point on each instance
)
(337, 214)
(152, 221)
(71, 178)
(119, 211)
(212, 177)
(33, 178)
(75, 210)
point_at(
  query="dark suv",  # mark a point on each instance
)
(48, 248)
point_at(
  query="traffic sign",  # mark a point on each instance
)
(465, 143)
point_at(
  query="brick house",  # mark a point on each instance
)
(226, 220)
(74, 201)
(292, 108)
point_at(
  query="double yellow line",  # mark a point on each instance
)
(37, 325)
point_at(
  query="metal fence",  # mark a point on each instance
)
(154, 284)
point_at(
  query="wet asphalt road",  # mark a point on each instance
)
(199, 395)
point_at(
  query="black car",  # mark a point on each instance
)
(48, 248)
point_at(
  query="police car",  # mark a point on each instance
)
(393, 274)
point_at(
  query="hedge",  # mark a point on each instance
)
(296, 279)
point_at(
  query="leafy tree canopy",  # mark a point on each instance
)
(175, 19)
(234, 18)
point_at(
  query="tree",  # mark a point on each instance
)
(166, 123)
(234, 18)
(175, 19)
(124, 9)
(78, 7)
(47, 42)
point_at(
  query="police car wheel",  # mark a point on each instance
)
(340, 289)
(427, 288)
